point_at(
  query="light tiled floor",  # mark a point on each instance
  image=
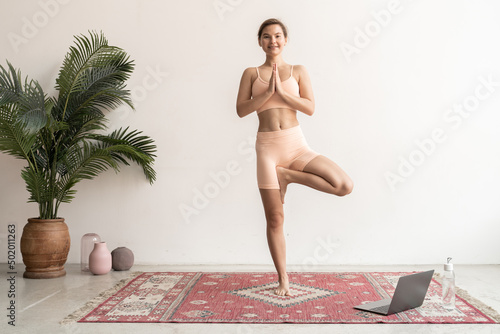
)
(42, 304)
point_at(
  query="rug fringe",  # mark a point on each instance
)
(96, 301)
(487, 310)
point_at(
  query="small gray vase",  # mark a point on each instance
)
(122, 258)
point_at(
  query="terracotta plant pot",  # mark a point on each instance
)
(45, 246)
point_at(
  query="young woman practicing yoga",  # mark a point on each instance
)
(277, 90)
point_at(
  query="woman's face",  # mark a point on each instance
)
(272, 39)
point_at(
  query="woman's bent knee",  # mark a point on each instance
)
(346, 187)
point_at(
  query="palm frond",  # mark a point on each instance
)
(77, 60)
(131, 145)
(33, 109)
(30, 105)
(80, 163)
(10, 85)
(15, 139)
(93, 76)
(36, 184)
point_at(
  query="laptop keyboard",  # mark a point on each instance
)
(382, 309)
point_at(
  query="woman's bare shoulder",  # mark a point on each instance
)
(250, 70)
(299, 69)
(300, 72)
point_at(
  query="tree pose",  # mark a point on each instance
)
(283, 156)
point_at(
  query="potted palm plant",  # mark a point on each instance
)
(61, 139)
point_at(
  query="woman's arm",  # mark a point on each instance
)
(245, 104)
(304, 103)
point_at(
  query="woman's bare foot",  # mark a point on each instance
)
(282, 181)
(283, 287)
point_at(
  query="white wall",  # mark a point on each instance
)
(398, 88)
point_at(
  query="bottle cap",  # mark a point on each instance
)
(448, 266)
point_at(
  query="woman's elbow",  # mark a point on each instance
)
(241, 113)
(307, 111)
(310, 111)
(310, 107)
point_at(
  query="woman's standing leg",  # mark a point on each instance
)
(275, 236)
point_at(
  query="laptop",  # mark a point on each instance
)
(410, 293)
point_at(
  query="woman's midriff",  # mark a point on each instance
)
(277, 119)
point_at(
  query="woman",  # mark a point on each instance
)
(283, 156)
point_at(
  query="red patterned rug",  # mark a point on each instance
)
(248, 298)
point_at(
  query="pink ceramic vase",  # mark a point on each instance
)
(100, 259)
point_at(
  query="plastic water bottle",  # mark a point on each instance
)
(448, 286)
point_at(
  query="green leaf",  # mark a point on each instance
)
(15, 139)
(36, 184)
(32, 107)
(132, 146)
(10, 85)
(80, 163)
(92, 77)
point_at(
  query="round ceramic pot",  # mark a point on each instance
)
(45, 246)
(123, 258)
